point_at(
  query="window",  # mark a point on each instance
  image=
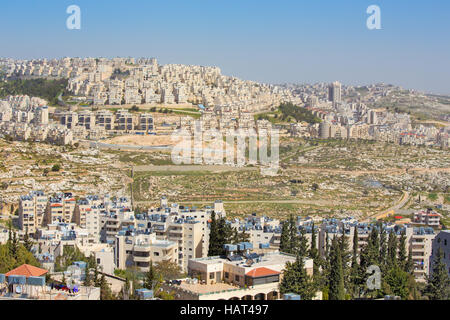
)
(98, 260)
(236, 278)
(156, 254)
(211, 275)
(227, 275)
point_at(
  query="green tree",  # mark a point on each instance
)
(302, 243)
(336, 277)
(239, 237)
(88, 278)
(150, 277)
(14, 247)
(214, 245)
(374, 246)
(344, 250)
(383, 248)
(397, 282)
(27, 242)
(296, 280)
(294, 240)
(392, 250)
(168, 270)
(314, 252)
(96, 279)
(402, 255)
(438, 284)
(284, 239)
(355, 272)
(409, 266)
(105, 290)
(220, 234)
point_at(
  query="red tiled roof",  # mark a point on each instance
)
(27, 270)
(262, 272)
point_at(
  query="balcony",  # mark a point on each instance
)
(141, 259)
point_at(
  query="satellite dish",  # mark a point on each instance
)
(18, 290)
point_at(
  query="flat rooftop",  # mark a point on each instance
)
(268, 259)
(207, 288)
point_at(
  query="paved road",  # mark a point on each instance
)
(400, 203)
(101, 145)
(365, 172)
(310, 202)
(187, 168)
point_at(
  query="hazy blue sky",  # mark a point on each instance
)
(270, 41)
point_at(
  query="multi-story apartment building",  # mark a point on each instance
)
(145, 122)
(105, 119)
(441, 241)
(60, 209)
(114, 218)
(123, 120)
(429, 218)
(86, 119)
(139, 250)
(420, 242)
(69, 119)
(87, 215)
(32, 209)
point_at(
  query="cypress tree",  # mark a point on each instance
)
(383, 248)
(87, 280)
(392, 250)
(438, 286)
(296, 280)
(96, 278)
(374, 247)
(28, 243)
(214, 245)
(9, 232)
(409, 267)
(336, 277)
(402, 256)
(302, 243)
(355, 272)
(366, 261)
(345, 257)
(314, 252)
(326, 266)
(150, 277)
(105, 290)
(14, 248)
(294, 241)
(284, 240)
(343, 247)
